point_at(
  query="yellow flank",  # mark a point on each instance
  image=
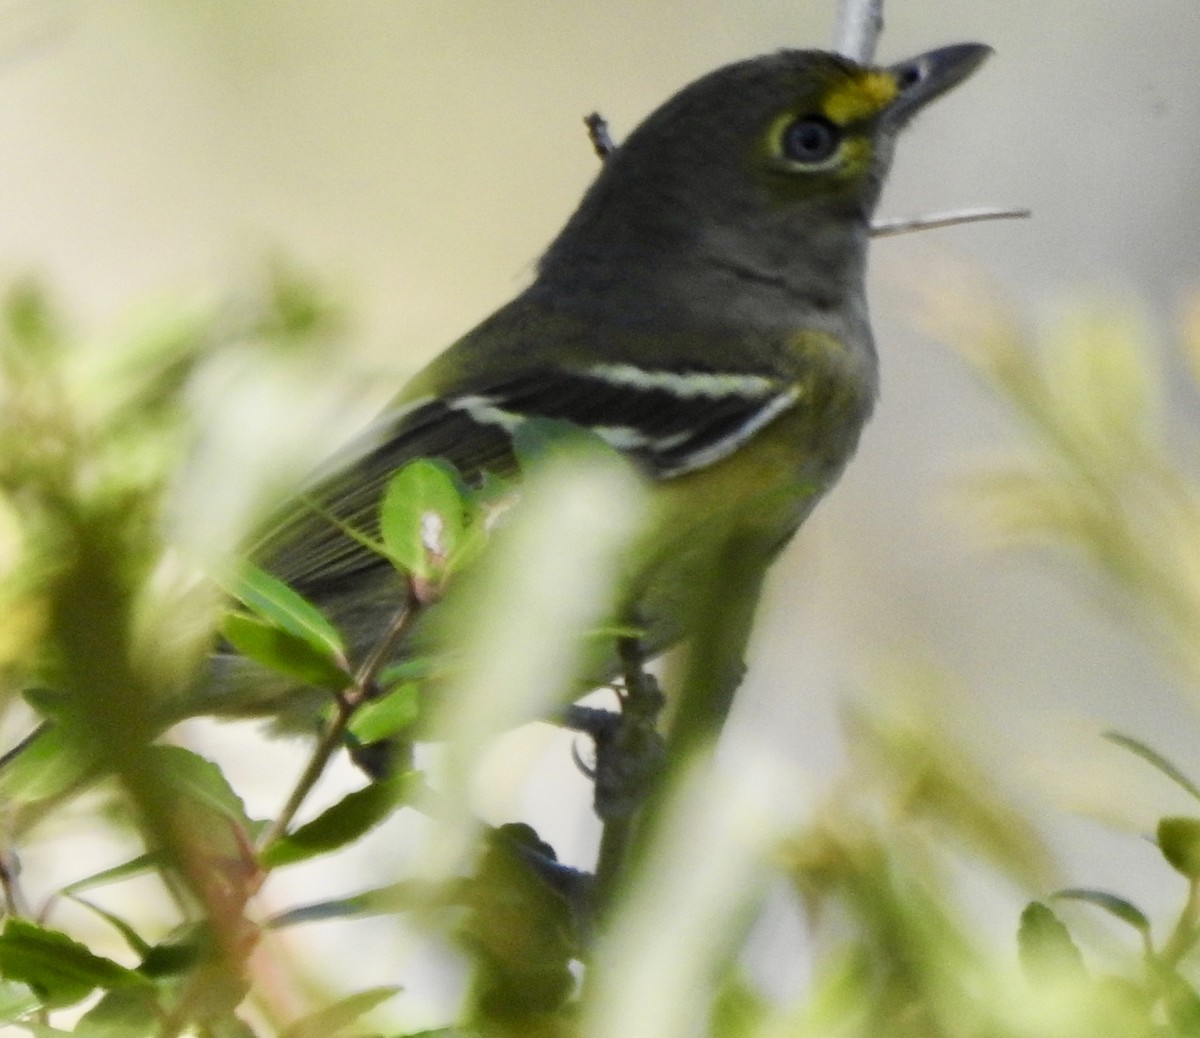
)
(860, 97)
(816, 351)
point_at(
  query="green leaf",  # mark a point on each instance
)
(138, 866)
(336, 1018)
(31, 318)
(284, 652)
(1124, 910)
(343, 823)
(386, 716)
(278, 604)
(179, 953)
(404, 896)
(1182, 1004)
(199, 779)
(1179, 841)
(45, 767)
(229, 1027)
(1047, 952)
(537, 440)
(297, 307)
(486, 503)
(60, 970)
(422, 517)
(614, 631)
(121, 1014)
(1156, 760)
(16, 1000)
(492, 491)
(416, 668)
(738, 1010)
(443, 1032)
(49, 702)
(131, 936)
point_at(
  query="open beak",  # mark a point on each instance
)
(927, 76)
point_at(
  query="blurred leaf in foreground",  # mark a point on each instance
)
(1098, 475)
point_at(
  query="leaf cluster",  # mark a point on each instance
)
(93, 646)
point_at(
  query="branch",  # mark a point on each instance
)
(859, 23)
(855, 36)
(597, 127)
(347, 703)
(902, 225)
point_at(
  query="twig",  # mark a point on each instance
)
(859, 23)
(856, 35)
(10, 871)
(597, 127)
(346, 703)
(903, 225)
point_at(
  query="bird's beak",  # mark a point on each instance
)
(927, 76)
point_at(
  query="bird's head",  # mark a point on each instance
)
(773, 165)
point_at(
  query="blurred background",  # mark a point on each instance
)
(419, 155)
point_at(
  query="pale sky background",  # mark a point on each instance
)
(420, 154)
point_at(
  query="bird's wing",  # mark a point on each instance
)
(669, 422)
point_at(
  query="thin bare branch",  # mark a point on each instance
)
(859, 23)
(903, 225)
(597, 127)
(346, 704)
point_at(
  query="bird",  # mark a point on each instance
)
(703, 312)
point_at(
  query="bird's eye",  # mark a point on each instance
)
(810, 140)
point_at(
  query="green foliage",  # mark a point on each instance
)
(1115, 906)
(334, 1019)
(421, 519)
(342, 823)
(59, 970)
(281, 607)
(1046, 948)
(93, 450)
(1099, 477)
(1179, 841)
(278, 649)
(390, 714)
(518, 932)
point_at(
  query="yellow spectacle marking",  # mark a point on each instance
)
(860, 97)
(856, 156)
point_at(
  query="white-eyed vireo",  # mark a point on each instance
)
(703, 311)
